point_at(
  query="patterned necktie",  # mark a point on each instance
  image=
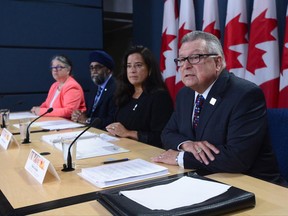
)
(198, 107)
(97, 97)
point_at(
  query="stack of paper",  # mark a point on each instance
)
(57, 124)
(122, 172)
(88, 145)
(166, 197)
(54, 124)
(21, 115)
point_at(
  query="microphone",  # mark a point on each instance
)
(27, 139)
(68, 167)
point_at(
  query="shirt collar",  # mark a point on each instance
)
(205, 93)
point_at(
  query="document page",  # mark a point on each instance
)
(57, 124)
(54, 124)
(21, 115)
(122, 172)
(88, 145)
(185, 191)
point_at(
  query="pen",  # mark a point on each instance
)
(35, 131)
(115, 161)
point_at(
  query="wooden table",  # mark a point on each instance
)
(22, 190)
(271, 200)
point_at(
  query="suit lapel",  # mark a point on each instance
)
(105, 91)
(212, 102)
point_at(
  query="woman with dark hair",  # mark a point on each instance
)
(143, 102)
(65, 95)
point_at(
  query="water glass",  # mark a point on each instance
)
(4, 118)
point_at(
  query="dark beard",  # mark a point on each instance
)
(99, 80)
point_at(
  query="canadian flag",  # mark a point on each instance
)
(169, 46)
(236, 37)
(263, 51)
(186, 25)
(186, 19)
(211, 18)
(283, 94)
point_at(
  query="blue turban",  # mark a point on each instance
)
(102, 58)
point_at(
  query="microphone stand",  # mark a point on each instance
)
(68, 167)
(27, 138)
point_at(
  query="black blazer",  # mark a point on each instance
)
(147, 115)
(106, 108)
(236, 123)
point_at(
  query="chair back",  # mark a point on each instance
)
(278, 131)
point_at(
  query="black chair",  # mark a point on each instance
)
(278, 130)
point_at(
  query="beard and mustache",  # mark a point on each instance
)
(99, 78)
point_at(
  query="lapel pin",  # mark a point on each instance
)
(212, 101)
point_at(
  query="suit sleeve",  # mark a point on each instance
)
(181, 118)
(239, 134)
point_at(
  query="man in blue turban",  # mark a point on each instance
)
(102, 106)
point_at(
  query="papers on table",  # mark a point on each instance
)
(122, 172)
(88, 145)
(55, 124)
(185, 191)
(21, 115)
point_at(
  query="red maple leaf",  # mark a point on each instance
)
(235, 31)
(210, 28)
(182, 31)
(166, 40)
(261, 29)
(285, 50)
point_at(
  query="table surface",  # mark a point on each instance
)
(271, 199)
(22, 190)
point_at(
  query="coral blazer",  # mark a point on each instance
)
(71, 97)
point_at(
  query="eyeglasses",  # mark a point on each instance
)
(137, 66)
(57, 68)
(96, 67)
(192, 59)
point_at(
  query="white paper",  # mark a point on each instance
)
(57, 124)
(88, 145)
(21, 115)
(122, 172)
(185, 191)
(54, 125)
(56, 138)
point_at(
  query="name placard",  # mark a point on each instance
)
(5, 138)
(37, 166)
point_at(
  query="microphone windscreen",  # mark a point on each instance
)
(50, 110)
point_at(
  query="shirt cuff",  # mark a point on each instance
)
(180, 159)
(179, 146)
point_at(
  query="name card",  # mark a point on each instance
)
(37, 166)
(5, 138)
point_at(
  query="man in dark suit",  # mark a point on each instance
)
(226, 130)
(102, 105)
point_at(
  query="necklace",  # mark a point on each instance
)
(134, 108)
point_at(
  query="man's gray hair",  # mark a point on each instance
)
(213, 45)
